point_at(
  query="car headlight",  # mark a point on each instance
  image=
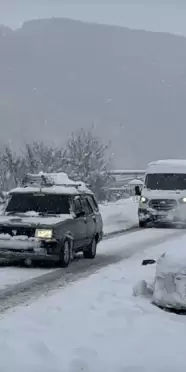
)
(143, 200)
(44, 233)
(183, 200)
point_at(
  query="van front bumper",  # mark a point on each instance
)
(149, 215)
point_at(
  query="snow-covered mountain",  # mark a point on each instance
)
(57, 75)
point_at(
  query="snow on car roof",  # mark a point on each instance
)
(169, 162)
(167, 166)
(58, 178)
(51, 183)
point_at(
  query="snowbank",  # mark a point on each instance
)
(170, 278)
(119, 215)
(95, 325)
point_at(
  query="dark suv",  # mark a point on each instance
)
(46, 221)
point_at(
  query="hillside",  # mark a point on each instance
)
(59, 75)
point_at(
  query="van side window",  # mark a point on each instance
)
(93, 203)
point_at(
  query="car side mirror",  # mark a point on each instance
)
(80, 213)
(148, 262)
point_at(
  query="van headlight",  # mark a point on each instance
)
(44, 234)
(143, 200)
(183, 200)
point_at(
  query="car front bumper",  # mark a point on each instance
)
(10, 255)
(24, 250)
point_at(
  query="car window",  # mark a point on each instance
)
(93, 203)
(39, 203)
(86, 206)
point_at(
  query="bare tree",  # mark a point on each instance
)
(85, 158)
(88, 160)
(40, 157)
(11, 169)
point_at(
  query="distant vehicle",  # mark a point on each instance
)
(163, 197)
(50, 218)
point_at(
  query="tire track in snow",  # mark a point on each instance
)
(42, 285)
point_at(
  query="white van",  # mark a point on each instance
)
(163, 197)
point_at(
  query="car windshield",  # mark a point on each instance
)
(39, 203)
(167, 181)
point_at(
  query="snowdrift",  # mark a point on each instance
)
(170, 279)
(119, 215)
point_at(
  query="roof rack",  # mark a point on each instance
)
(48, 180)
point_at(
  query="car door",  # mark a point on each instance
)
(80, 226)
(90, 219)
(99, 222)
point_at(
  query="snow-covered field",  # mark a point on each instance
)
(116, 216)
(95, 324)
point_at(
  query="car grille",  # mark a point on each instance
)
(18, 230)
(163, 204)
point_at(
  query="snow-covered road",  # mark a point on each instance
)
(96, 324)
(17, 285)
(110, 251)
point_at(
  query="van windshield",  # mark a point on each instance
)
(169, 181)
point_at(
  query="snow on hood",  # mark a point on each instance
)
(24, 219)
(163, 194)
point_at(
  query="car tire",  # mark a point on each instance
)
(90, 253)
(65, 255)
(142, 224)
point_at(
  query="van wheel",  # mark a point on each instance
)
(65, 255)
(90, 253)
(142, 224)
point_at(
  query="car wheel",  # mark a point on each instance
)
(90, 253)
(142, 224)
(65, 255)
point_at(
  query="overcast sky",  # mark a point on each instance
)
(153, 15)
